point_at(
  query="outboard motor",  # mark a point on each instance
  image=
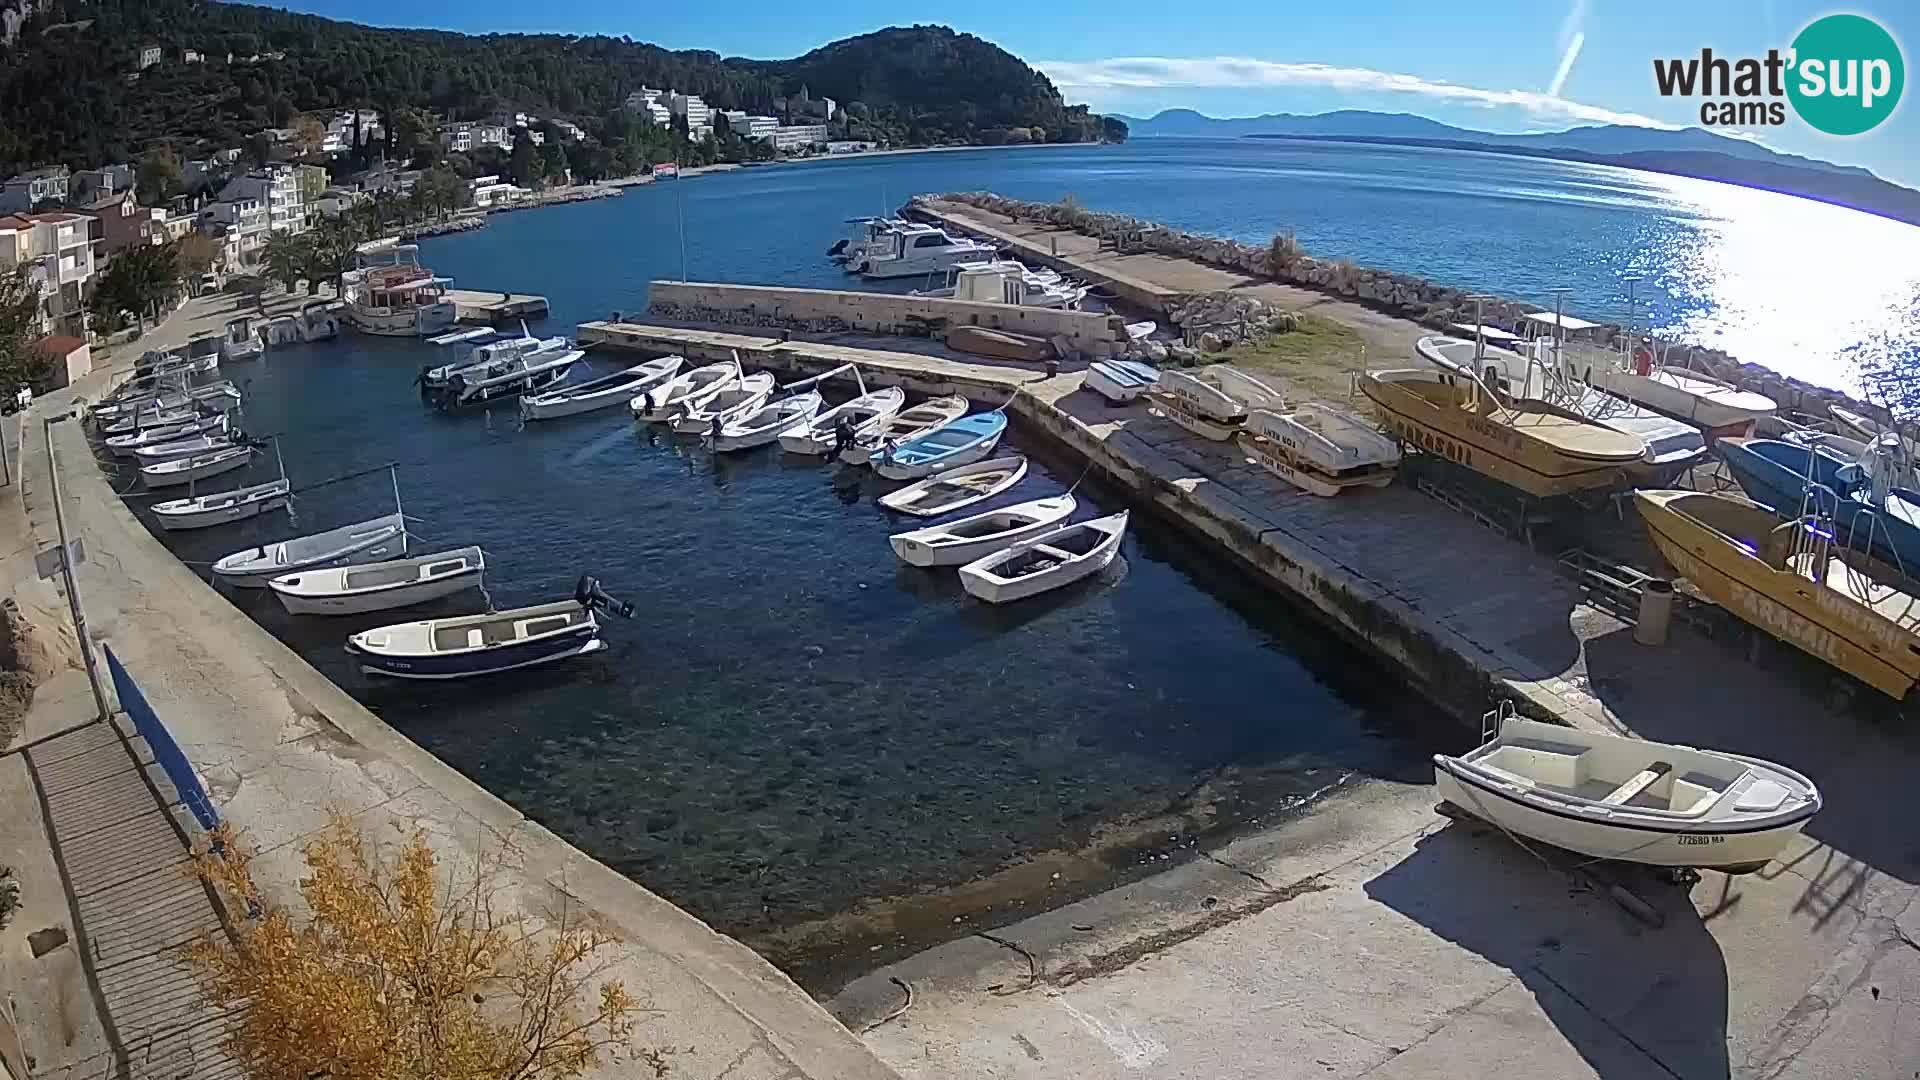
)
(588, 594)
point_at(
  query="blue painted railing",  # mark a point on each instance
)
(165, 750)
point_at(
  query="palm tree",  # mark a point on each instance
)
(285, 258)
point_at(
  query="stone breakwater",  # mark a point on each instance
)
(1417, 299)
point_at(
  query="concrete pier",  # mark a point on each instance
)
(493, 308)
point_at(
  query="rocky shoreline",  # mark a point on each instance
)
(1417, 299)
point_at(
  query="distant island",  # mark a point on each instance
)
(84, 83)
(1693, 152)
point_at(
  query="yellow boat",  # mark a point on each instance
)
(1785, 579)
(1531, 445)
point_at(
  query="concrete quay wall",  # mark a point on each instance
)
(836, 311)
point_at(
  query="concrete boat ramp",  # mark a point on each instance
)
(1373, 937)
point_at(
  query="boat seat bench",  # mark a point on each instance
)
(1640, 782)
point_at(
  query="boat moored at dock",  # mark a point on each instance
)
(381, 586)
(389, 294)
(219, 508)
(478, 388)
(188, 470)
(375, 540)
(1045, 562)
(686, 390)
(955, 543)
(607, 391)
(905, 426)
(958, 487)
(916, 251)
(960, 442)
(712, 412)
(845, 423)
(468, 645)
(766, 423)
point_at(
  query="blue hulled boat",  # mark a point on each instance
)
(496, 641)
(962, 442)
(1778, 474)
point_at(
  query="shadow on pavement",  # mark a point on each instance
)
(1618, 991)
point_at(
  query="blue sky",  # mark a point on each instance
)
(1488, 64)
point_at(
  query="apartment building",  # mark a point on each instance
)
(59, 249)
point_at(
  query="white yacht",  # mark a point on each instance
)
(862, 234)
(1006, 281)
(391, 295)
(916, 251)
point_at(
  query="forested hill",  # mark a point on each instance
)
(65, 94)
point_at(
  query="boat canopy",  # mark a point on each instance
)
(1565, 322)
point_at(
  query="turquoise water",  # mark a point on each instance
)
(1772, 279)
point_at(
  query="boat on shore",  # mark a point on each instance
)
(861, 416)
(1047, 561)
(375, 540)
(1213, 402)
(489, 643)
(955, 543)
(715, 411)
(221, 507)
(1121, 381)
(1629, 800)
(1007, 281)
(961, 442)
(686, 390)
(905, 426)
(1534, 447)
(766, 423)
(1784, 578)
(1870, 510)
(958, 487)
(1320, 449)
(381, 586)
(607, 391)
(1720, 407)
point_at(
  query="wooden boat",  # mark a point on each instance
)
(375, 540)
(686, 390)
(618, 388)
(485, 644)
(1786, 579)
(130, 445)
(1529, 445)
(905, 426)
(955, 543)
(382, 586)
(766, 423)
(188, 470)
(999, 344)
(177, 448)
(958, 487)
(739, 398)
(961, 442)
(1212, 402)
(862, 415)
(1048, 561)
(1319, 448)
(482, 387)
(1630, 800)
(221, 507)
(1121, 381)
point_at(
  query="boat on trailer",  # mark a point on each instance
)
(955, 543)
(1319, 448)
(731, 403)
(862, 415)
(604, 392)
(1629, 800)
(905, 426)
(382, 586)
(958, 487)
(686, 390)
(961, 442)
(766, 423)
(468, 645)
(375, 540)
(221, 507)
(1121, 381)
(1046, 562)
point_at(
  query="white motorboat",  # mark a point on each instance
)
(222, 395)
(381, 586)
(281, 330)
(375, 540)
(1693, 396)
(1006, 281)
(188, 470)
(604, 392)
(1121, 381)
(190, 446)
(686, 390)
(495, 358)
(129, 445)
(955, 543)
(767, 423)
(1047, 561)
(317, 321)
(1632, 800)
(862, 415)
(917, 251)
(862, 234)
(1213, 402)
(391, 295)
(716, 411)
(150, 418)
(221, 507)
(1320, 448)
(479, 388)
(240, 341)
(958, 487)
(905, 426)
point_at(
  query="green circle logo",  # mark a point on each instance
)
(1847, 74)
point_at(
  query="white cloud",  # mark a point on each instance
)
(1157, 72)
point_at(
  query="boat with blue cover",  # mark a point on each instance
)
(962, 442)
(1778, 474)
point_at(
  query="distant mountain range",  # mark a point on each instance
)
(1692, 152)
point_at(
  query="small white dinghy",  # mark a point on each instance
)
(608, 390)
(735, 401)
(178, 448)
(1045, 562)
(1632, 800)
(958, 487)
(685, 390)
(376, 540)
(905, 426)
(221, 507)
(863, 415)
(354, 590)
(1319, 448)
(1121, 381)
(187, 470)
(152, 418)
(767, 423)
(130, 444)
(1212, 402)
(958, 542)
